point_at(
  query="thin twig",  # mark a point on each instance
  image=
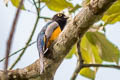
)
(43, 17)
(30, 38)
(79, 52)
(18, 51)
(35, 5)
(79, 62)
(9, 42)
(37, 9)
(38, 3)
(101, 65)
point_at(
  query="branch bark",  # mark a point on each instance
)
(75, 28)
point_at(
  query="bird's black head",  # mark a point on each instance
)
(61, 19)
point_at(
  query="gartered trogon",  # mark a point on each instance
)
(48, 34)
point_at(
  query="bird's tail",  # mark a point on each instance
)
(41, 55)
(41, 63)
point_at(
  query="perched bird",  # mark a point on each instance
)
(48, 34)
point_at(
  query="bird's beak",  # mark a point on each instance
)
(66, 17)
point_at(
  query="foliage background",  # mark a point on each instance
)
(24, 28)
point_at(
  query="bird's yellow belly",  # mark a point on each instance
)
(54, 36)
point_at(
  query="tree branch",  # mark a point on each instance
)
(79, 62)
(9, 42)
(76, 28)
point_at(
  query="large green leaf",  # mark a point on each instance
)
(113, 14)
(89, 51)
(107, 51)
(95, 48)
(57, 5)
(111, 19)
(115, 8)
(16, 4)
(87, 72)
(90, 54)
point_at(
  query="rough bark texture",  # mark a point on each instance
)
(74, 29)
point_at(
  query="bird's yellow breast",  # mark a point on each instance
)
(54, 35)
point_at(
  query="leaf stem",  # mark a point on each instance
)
(101, 65)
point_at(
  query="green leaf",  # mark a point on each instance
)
(87, 72)
(95, 48)
(115, 8)
(72, 51)
(89, 51)
(113, 14)
(16, 4)
(57, 5)
(111, 19)
(90, 54)
(107, 51)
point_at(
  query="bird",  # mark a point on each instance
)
(49, 34)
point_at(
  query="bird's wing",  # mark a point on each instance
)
(40, 46)
(41, 39)
(49, 31)
(40, 43)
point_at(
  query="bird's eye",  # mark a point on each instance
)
(59, 15)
